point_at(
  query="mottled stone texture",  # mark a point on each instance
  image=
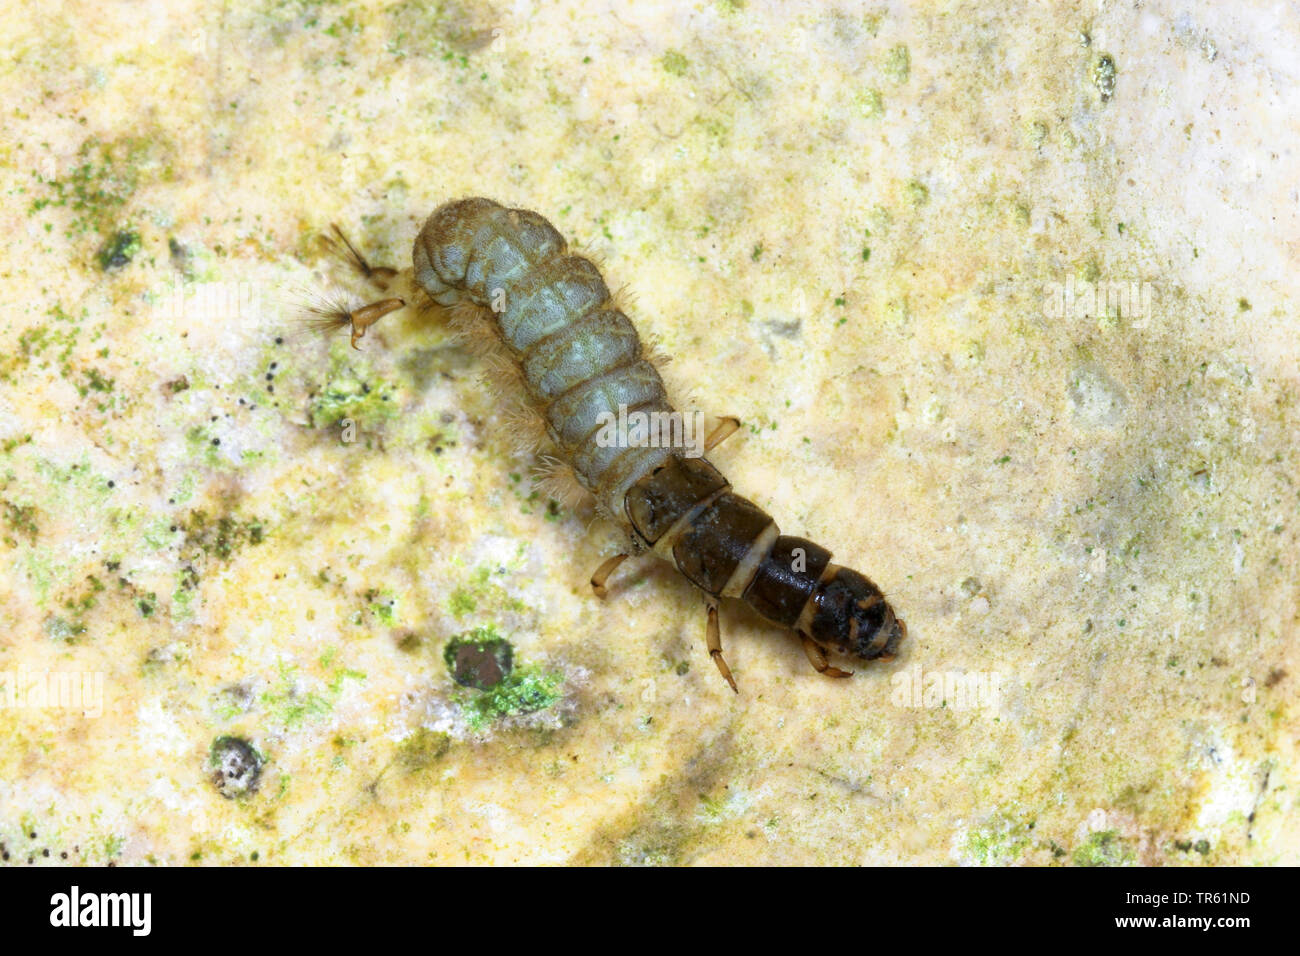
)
(1004, 295)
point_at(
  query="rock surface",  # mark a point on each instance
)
(1005, 299)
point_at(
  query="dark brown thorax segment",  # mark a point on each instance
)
(670, 493)
(786, 579)
(685, 510)
(718, 539)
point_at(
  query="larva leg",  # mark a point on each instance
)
(366, 316)
(817, 658)
(713, 640)
(603, 572)
(725, 429)
(332, 316)
(379, 276)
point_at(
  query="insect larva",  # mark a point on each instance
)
(581, 359)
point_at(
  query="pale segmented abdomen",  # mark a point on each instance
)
(580, 356)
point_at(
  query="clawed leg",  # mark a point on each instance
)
(366, 316)
(603, 572)
(329, 316)
(817, 658)
(713, 640)
(379, 276)
(725, 429)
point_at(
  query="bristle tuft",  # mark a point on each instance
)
(555, 479)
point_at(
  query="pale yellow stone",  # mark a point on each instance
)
(849, 228)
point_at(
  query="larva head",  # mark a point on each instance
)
(850, 615)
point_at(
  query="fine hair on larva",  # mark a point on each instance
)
(552, 324)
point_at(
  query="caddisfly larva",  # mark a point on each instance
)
(582, 362)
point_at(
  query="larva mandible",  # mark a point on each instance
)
(581, 359)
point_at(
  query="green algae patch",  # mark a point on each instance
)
(674, 62)
(526, 691)
(298, 700)
(871, 104)
(423, 749)
(106, 174)
(1106, 848)
(348, 398)
(20, 520)
(220, 538)
(483, 660)
(480, 591)
(998, 842)
(898, 64)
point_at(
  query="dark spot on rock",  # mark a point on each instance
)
(118, 250)
(479, 659)
(236, 767)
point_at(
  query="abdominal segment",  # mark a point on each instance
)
(581, 358)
